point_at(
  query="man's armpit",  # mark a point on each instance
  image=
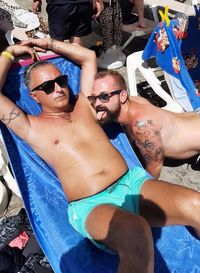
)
(14, 114)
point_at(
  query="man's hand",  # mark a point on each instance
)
(39, 44)
(19, 50)
(86, 58)
(37, 6)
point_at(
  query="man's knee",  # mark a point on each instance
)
(117, 227)
(136, 234)
(129, 233)
(135, 246)
(191, 205)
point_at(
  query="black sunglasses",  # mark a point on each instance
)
(48, 86)
(105, 97)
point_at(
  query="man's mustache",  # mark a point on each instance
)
(101, 108)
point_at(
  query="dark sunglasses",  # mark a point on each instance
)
(105, 97)
(49, 86)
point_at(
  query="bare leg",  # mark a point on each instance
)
(163, 204)
(139, 4)
(126, 233)
(76, 40)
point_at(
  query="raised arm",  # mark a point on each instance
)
(86, 58)
(10, 114)
(148, 139)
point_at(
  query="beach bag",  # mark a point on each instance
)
(20, 254)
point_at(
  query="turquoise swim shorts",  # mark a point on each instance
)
(124, 193)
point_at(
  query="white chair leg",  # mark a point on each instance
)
(5, 171)
(3, 198)
(154, 10)
(131, 73)
(137, 33)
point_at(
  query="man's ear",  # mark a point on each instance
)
(33, 96)
(123, 96)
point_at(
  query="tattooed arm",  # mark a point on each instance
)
(86, 58)
(148, 139)
(10, 114)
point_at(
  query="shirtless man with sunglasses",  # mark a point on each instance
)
(48, 86)
(156, 132)
(94, 176)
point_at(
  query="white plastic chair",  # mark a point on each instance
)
(134, 63)
(7, 177)
(3, 198)
(174, 7)
(5, 171)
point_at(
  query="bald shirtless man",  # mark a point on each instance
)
(157, 133)
(109, 204)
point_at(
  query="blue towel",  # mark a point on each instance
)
(172, 54)
(176, 250)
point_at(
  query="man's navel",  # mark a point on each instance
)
(56, 141)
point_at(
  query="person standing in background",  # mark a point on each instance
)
(111, 23)
(69, 19)
(128, 17)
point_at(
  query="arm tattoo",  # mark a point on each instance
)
(148, 144)
(157, 133)
(143, 123)
(148, 139)
(15, 113)
(156, 155)
(54, 45)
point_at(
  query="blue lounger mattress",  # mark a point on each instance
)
(176, 250)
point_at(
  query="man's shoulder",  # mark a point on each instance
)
(138, 99)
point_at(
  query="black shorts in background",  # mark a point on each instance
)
(68, 20)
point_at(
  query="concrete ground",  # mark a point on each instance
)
(185, 173)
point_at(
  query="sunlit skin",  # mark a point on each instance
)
(157, 133)
(69, 138)
(61, 135)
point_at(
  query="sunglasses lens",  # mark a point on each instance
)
(92, 99)
(48, 87)
(103, 98)
(62, 81)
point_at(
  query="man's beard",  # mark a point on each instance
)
(110, 115)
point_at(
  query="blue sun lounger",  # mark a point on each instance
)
(176, 250)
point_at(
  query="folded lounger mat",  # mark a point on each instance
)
(176, 250)
(179, 58)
